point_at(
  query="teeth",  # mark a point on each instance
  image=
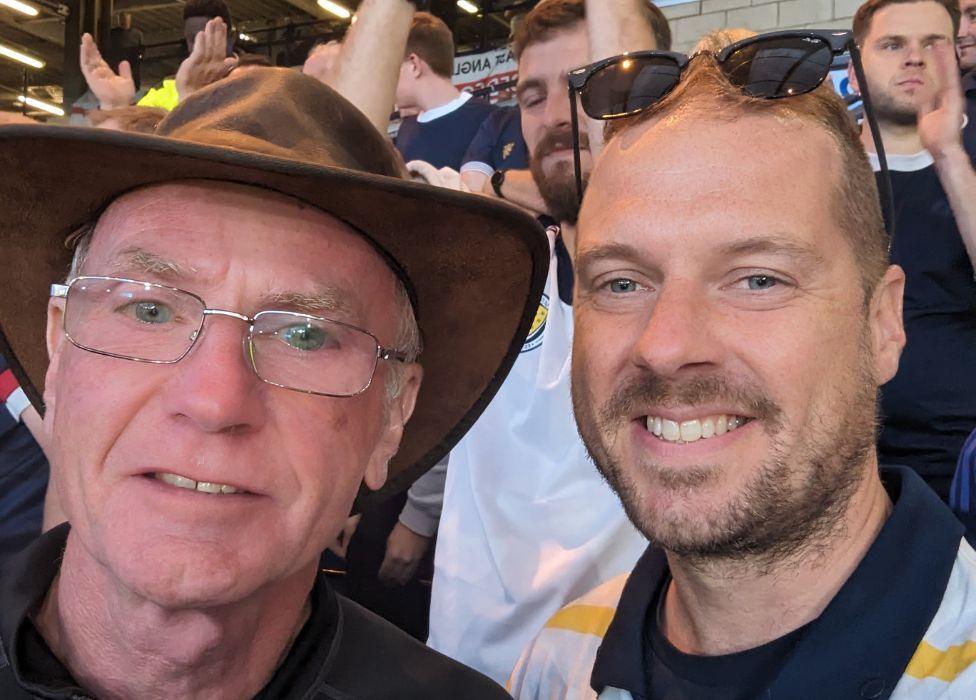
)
(670, 430)
(201, 486)
(176, 480)
(693, 430)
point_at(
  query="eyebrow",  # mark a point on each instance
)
(774, 245)
(144, 261)
(326, 299)
(757, 245)
(323, 300)
(530, 84)
(902, 38)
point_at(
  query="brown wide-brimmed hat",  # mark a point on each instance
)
(475, 268)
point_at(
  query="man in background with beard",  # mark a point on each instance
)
(527, 524)
(929, 408)
(735, 316)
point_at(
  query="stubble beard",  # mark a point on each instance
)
(774, 519)
(890, 110)
(558, 187)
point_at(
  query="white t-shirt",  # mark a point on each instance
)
(528, 523)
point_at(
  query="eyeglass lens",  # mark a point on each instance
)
(768, 68)
(629, 86)
(151, 323)
(779, 67)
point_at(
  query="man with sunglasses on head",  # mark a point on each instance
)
(231, 355)
(735, 314)
(527, 525)
(929, 408)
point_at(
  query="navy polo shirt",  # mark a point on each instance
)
(498, 145)
(442, 136)
(862, 642)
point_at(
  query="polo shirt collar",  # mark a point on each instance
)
(862, 642)
(445, 109)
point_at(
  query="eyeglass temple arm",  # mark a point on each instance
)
(886, 193)
(59, 290)
(577, 159)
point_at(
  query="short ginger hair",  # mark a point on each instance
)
(431, 40)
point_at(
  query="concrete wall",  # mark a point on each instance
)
(690, 20)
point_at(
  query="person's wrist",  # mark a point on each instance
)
(950, 156)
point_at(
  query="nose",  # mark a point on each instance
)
(914, 56)
(678, 337)
(557, 107)
(215, 389)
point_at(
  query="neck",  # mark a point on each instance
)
(119, 645)
(436, 93)
(722, 607)
(898, 139)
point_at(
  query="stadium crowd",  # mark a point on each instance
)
(659, 383)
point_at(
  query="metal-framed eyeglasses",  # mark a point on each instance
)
(152, 323)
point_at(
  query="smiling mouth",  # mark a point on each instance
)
(690, 431)
(183, 482)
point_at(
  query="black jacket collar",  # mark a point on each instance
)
(868, 633)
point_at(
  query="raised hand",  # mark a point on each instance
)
(208, 61)
(112, 90)
(941, 108)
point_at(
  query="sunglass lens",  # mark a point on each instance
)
(629, 85)
(779, 66)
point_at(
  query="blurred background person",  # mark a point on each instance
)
(447, 119)
(929, 408)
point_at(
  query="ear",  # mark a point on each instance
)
(55, 345)
(415, 65)
(887, 324)
(852, 79)
(398, 413)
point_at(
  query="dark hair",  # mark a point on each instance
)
(866, 12)
(544, 20)
(431, 40)
(208, 9)
(857, 206)
(551, 16)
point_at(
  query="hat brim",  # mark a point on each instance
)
(477, 267)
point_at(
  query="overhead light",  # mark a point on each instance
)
(20, 7)
(38, 104)
(242, 36)
(22, 57)
(468, 6)
(335, 8)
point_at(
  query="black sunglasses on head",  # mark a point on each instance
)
(768, 66)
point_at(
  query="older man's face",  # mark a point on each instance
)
(116, 425)
(725, 365)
